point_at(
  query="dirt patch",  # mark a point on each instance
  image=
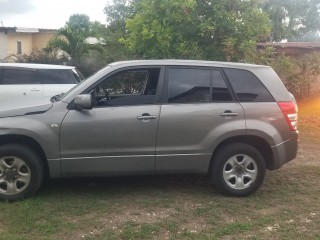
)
(308, 155)
(115, 221)
(195, 225)
(2, 228)
(132, 214)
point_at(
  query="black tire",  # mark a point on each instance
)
(21, 172)
(238, 169)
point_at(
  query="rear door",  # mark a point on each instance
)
(19, 83)
(199, 112)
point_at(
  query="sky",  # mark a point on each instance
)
(48, 14)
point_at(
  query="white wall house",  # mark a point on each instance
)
(14, 40)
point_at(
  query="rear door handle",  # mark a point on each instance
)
(228, 113)
(146, 116)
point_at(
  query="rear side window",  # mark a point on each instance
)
(247, 86)
(16, 76)
(57, 76)
(191, 85)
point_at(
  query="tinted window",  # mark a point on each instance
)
(57, 76)
(16, 76)
(130, 87)
(189, 85)
(247, 86)
(193, 85)
(220, 92)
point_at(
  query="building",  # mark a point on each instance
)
(293, 49)
(14, 40)
(297, 50)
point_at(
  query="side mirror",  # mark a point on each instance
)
(83, 101)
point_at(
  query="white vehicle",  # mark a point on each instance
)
(28, 80)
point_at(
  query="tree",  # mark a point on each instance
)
(213, 30)
(117, 12)
(298, 73)
(230, 29)
(72, 37)
(278, 14)
(79, 24)
(72, 40)
(294, 20)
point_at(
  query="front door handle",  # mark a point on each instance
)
(146, 116)
(228, 113)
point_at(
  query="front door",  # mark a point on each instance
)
(117, 136)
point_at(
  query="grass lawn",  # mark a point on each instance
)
(287, 206)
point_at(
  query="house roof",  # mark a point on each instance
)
(24, 30)
(305, 45)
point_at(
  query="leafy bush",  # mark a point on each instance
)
(38, 56)
(298, 73)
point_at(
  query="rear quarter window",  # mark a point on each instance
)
(247, 86)
(57, 76)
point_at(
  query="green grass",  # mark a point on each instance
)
(176, 207)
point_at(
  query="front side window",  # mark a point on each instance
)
(129, 87)
(16, 76)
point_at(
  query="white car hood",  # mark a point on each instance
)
(25, 107)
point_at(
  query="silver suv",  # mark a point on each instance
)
(228, 120)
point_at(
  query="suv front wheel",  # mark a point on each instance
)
(238, 169)
(21, 172)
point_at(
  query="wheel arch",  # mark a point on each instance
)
(28, 142)
(257, 142)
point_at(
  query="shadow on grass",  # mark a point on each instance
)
(129, 185)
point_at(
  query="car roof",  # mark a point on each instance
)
(35, 66)
(178, 62)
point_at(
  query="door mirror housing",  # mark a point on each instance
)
(83, 101)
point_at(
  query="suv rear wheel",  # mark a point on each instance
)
(238, 169)
(21, 172)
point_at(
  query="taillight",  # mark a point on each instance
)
(290, 112)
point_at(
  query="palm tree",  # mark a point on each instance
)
(71, 39)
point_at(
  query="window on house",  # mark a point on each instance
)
(19, 47)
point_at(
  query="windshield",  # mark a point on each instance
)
(78, 75)
(62, 95)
